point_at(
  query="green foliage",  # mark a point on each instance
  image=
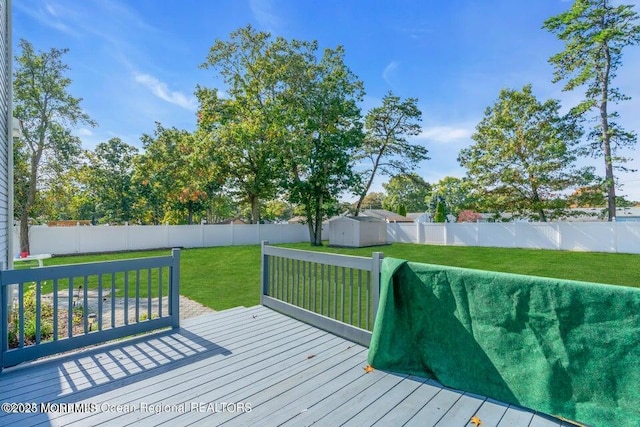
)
(402, 210)
(440, 215)
(46, 112)
(30, 332)
(244, 131)
(324, 130)
(109, 181)
(523, 156)
(455, 193)
(408, 189)
(174, 178)
(385, 148)
(595, 32)
(373, 201)
(277, 210)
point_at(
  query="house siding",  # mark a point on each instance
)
(5, 130)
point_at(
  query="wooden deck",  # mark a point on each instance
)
(245, 366)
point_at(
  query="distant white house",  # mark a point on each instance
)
(384, 215)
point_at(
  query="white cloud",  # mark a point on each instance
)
(389, 71)
(263, 12)
(161, 90)
(445, 133)
(47, 15)
(84, 132)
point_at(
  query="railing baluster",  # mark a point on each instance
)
(38, 311)
(279, 262)
(85, 304)
(55, 309)
(71, 309)
(126, 297)
(270, 260)
(335, 292)
(148, 294)
(113, 300)
(294, 282)
(99, 302)
(286, 273)
(315, 286)
(359, 298)
(351, 296)
(137, 296)
(298, 285)
(368, 303)
(21, 314)
(160, 292)
(342, 295)
(322, 289)
(304, 285)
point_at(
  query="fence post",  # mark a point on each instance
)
(444, 226)
(174, 289)
(264, 271)
(376, 259)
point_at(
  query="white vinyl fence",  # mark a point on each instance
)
(87, 239)
(574, 236)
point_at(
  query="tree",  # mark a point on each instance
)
(407, 189)
(524, 154)
(440, 215)
(174, 177)
(324, 130)
(244, 130)
(467, 215)
(455, 193)
(110, 181)
(402, 210)
(68, 197)
(46, 112)
(277, 210)
(373, 201)
(595, 32)
(385, 145)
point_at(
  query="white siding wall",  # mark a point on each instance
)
(5, 130)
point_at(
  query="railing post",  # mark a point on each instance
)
(264, 271)
(174, 288)
(376, 259)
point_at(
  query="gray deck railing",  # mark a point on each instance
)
(337, 293)
(51, 310)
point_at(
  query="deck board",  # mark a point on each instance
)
(289, 372)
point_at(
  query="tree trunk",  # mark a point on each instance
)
(606, 140)
(370, 181)
(24, 232)
(31, 197)
(318, 225)
(255, 209)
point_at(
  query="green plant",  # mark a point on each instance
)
(30, 320)
(402, 210)
(440, 216)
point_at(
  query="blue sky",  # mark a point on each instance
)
(136, 62)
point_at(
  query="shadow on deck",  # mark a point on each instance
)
(245, 366)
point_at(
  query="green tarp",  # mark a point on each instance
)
(561, 347)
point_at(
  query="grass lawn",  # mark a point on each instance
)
(225, 277)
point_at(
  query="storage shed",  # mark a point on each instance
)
(357, 231)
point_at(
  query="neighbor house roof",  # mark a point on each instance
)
(385, 215)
